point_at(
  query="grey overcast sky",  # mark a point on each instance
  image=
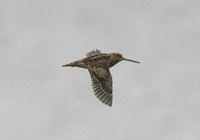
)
(158, 99)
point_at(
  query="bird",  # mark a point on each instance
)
(98, 64)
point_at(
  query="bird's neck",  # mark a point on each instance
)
(113, 62)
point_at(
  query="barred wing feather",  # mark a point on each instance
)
(93, 52)
(102, 84)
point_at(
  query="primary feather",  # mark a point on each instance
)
(93, 52)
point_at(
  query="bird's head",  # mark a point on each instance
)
(118, 57)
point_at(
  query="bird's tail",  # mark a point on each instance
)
(67, 65)
(75, 64)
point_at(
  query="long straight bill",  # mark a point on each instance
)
(131, 60)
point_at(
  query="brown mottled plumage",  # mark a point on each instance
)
(98, 65)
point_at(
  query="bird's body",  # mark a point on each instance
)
(98, 65)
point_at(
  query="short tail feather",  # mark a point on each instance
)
(75, 64)
(67, 65)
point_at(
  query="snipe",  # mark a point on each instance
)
(98, 65)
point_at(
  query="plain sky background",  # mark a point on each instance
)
(158, 99)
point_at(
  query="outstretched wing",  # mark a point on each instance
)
(93, 52)
(102, 84)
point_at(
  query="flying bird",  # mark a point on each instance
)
(98, 65)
